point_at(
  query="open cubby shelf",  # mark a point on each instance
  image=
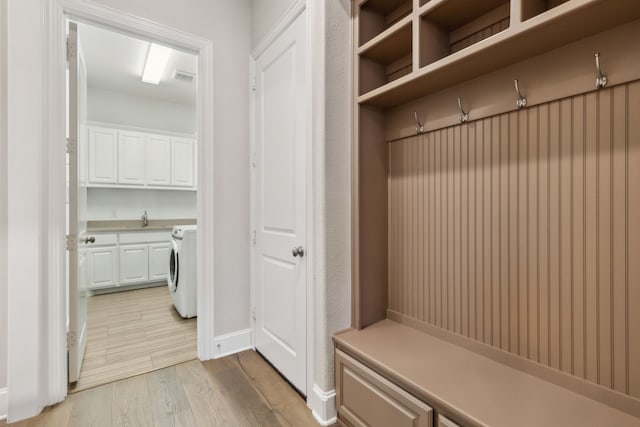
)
(376, 16)
(453, 48)
(385, 59)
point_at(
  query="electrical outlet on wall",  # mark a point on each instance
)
(114, 213)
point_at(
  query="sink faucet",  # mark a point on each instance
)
(145, 219)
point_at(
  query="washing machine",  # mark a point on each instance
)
(182, 270)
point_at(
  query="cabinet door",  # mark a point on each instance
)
(134, 264)
(364, 398)
(103, 155)
(182, 164)
(158, 261)
(102, 266)
(131, 157)
(158, 160)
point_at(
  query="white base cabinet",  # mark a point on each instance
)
(158, 261)
(102, 266)
(134, 264)
(128, 258)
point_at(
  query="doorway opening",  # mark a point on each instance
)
(131, 205)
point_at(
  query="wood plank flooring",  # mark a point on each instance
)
(134, 332)
(239, 390)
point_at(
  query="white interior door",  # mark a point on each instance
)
(280, 206)
(77, 143)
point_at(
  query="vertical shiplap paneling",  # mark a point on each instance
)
(495, 234)
(554, 234)
(565, 235)
(578, 160)
(522, 231)
(544, 213)
(523, 228)
(512, 231)
(604, 237)
(591, 237)
(633, 240)
(619, 237)
(487, 238)
(532, 234)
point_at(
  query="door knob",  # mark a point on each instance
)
(90, 239)
(298, 251)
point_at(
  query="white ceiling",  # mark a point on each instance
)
(115, 62)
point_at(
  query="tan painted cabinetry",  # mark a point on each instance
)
(493, 167)
(365, 399)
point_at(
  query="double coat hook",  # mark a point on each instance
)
(521, 101)
(601, 79)
(419, 125)
(464, 116)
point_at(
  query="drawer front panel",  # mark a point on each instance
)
(367, 399)
(145, 237)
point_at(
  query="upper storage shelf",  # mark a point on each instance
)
(462, 39)
(378, 15)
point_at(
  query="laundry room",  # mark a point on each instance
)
(136, 200)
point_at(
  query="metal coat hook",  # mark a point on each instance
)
(521, 101)
(419, 125)
(464, 116)
(601, 79)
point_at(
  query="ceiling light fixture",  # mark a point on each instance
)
(156, 63)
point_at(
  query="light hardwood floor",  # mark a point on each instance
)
(133, 332)
(239, 390)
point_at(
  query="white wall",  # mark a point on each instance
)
(265, 14)
(333, 287)
(119, 108)
(3, 197)
(131, 204)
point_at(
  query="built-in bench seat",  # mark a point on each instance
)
(376, 365)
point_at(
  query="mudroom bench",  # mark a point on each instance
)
(391, 374)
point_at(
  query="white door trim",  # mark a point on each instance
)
(48, 384)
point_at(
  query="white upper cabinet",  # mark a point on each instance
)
(128, 159)
(182, 162)
(103, 155)
(131, 158)
(158, 160)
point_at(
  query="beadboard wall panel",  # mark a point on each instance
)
(522, 231)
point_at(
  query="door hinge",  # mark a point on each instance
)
(253, 314)
(71, 340)
(72, 145)
(72, 242)
(253, 83)
(254, 163)
(71, 49)
(253, 237)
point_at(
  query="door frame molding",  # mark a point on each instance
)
(315, 136)
(47, 383)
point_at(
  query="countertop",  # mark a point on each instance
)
(136, 225)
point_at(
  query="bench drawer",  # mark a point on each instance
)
(364, 398)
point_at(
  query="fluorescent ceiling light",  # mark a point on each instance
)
(156, 63)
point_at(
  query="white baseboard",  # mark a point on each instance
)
(323, 405)
(3, 403)
(235, 342)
